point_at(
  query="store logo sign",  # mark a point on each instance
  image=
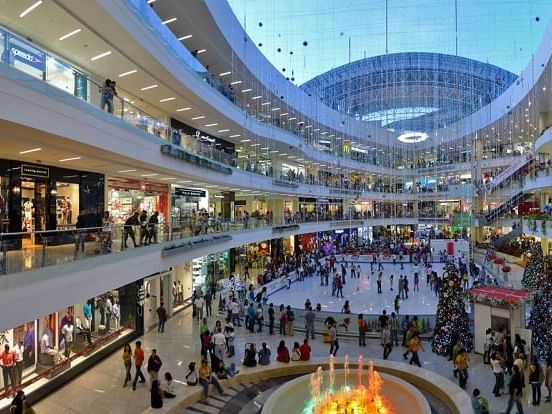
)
(189, 192)
(34, 171)
(26, 56)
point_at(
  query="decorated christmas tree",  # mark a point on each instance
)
(540, 320)
(533, 269)
(452, 320)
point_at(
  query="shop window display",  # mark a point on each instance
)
(67, 204)
(49, 345)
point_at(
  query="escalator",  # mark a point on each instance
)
(505, 207)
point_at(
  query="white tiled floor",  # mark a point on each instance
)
(362, 293)
(100, 389)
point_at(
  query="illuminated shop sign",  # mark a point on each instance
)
(23, 54)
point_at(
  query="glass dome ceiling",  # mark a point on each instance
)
(305, 38)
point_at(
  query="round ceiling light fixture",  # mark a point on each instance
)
(413, 137)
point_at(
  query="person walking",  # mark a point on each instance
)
(127, 362)
(199, 302)
(154, 366)
(162, 317)
(394, 326)
(259, 318)
(334, 347)
(514, 389)
(219, 342)
(548, 380)
(138, 362)
(379, 282)
(209, 303)
(496, 365)
(536, 378)
(385, 341)
(362, 329)
(415, 346)
(462, 368)
(271, 319)
(309, 323)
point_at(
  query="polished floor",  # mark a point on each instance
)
(100, 389)
(362, 293)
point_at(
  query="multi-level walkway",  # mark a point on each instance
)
(100, 389)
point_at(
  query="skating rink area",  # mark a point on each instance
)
(362, 293)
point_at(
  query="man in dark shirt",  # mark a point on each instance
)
(383, 319)
(129, 231)
(516, 383)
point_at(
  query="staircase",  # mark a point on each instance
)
(505, 239)
(505, 207)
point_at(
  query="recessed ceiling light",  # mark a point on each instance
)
(185, 181)
(223, 130)
(265, 103)
(246, 90)
(275, 109)
(68, 35)
(284, 114)
(255, 145)
(201, 51)
(185, 37)
(125, 171)
(256, 97)
(150, 1)
(283, 154)
(323, 133)
(172, 98)
(172, 19)
(264, 149)
(291, 119)
(308, 126)
(235, 83)
(183, 109)
(211, 125)
(130, 72)
(145, 88)
(225, 74)
(245, 140)
(168, 178)
(149, 175)
(30, 150)
(70, 159)
(101, 55)
(274, 151)
(198, 117)
(235, 135)
(30, 9)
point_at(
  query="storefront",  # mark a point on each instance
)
(37, 197)
(185, 204)
(126, 196)
(64, 340)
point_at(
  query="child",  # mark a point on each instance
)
(191, 376)
(168, 387)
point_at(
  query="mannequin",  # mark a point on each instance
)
(67, 332)
(28, 215)
(69, 212)
(45, 344)
(82, 330)
(108, 312)
(180, 292)
(175, 293)
(116, 314)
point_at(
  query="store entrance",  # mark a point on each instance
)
(33, 209)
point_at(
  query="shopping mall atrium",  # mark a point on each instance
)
(281, 206)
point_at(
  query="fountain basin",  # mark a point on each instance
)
(294, 396)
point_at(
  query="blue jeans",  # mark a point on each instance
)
(236, 319)
(205, 384)
(309, 328)
(517, 402)
(161, 326)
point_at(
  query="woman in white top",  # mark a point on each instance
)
(296, 352)
(496, 365)
(168, 387)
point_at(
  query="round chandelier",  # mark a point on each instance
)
(413, 137)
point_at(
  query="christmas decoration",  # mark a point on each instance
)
(452, 319)
(540, 320)
(534, 269)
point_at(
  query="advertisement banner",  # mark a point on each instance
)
(27, 54)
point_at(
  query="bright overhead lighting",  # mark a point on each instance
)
(274, 151)
(101, 55)
(185, 181)
(223, 130)
(246, 90)
(412, 137)
(125, 171)
(30, 9)
(308, 126)
(168, 178)
(172, 19)
(172, 98)
(256, 97)
(68, 35)
(283, 154)
(323, 133)
(198, 117)
(150, 1)
(245, 140)
(275, 109)
(235, 83)
(265, 103)
(235, 135)
(255, 145)
(211, 125)
(291, 119)
(218, 196)
(70, 159)
(264, 149)
(149, 175)
(225, 74)
(284, 114)
(130, 72)
(185, 37)
(145, 88)
(201, 51)
(30, 150)
(183, 109)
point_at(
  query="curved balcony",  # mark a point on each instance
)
(544, 143)
(538, 226)
(538, 180)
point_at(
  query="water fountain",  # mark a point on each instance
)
(335, 391)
